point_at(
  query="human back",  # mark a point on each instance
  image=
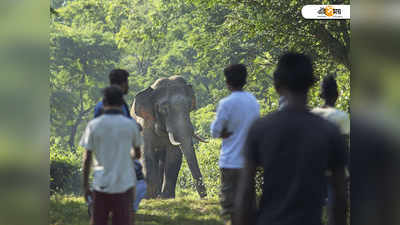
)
(330, 94)
(112, 137)
(114, 132)
(336, 116)
(243, 109)
(235, 114)
(295, 149)
(114, 140)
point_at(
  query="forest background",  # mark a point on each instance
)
(160, 38)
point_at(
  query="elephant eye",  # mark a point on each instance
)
(164, 108)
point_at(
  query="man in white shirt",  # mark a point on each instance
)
(110, 137)
(235, 114)
(330, 94)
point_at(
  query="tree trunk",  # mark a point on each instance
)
(74, 128)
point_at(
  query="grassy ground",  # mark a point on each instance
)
(188, 210)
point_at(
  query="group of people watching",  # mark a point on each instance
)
(303, 152)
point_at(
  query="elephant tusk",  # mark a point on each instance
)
(172, 139)
(200, 138)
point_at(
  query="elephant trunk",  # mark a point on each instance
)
(183, 138)
(189, 153)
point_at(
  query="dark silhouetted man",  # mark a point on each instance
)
(295, 148)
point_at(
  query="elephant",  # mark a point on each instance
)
(163, 111)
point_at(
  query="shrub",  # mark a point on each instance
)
(65, 172)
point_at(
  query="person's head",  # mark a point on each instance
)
(329, 90)
(235, 76)
(294, 74)
(113, 96)
(119, 77)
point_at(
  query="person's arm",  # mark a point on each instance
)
(137, 141)
(245, 204)
(87, 163)
(136, 153)
(218, 126)
(87, 141)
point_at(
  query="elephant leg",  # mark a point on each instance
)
(173, 165)
(152, 171)
(161, 162)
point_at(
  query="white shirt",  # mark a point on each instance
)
(336, 116)
(111, 137)
(236, 112)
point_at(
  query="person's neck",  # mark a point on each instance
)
(236, 89)
(108, 107)
(296, 101)
(329, 104)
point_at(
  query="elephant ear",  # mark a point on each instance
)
(193, 96)
(143, 105)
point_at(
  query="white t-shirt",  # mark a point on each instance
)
(336, 116)
(236, 113)
(111, 137)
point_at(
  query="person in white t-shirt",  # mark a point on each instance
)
(111, 138)
(235, 114)
(330, 94)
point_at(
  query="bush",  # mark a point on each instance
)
(202, 119)
(65, 174)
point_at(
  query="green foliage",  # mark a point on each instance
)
(65, 174)
(202, 118)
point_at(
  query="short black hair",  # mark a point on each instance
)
(113, 96)
(329, 89)
(295, 72)
(118, 76)
(236, 75)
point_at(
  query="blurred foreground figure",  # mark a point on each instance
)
(375, 124)
(375, 173)
(295, 148)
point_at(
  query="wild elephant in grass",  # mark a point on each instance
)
(163, 110)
